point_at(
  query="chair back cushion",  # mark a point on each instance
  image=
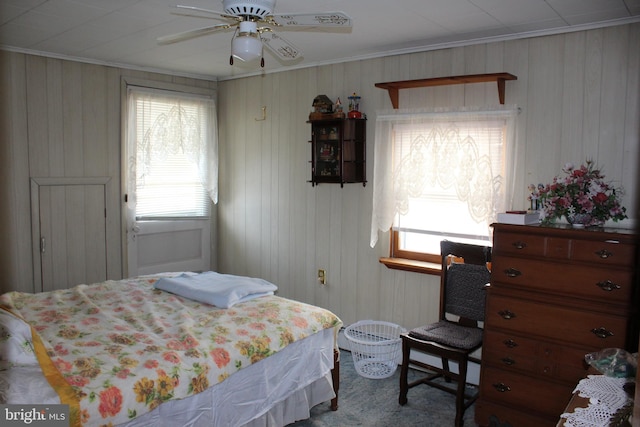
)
(464, 290)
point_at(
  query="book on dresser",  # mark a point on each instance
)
(556, 294)
(519, 217)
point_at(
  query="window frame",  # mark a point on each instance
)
(418, 262)
(396, 252)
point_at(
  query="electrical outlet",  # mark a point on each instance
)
(322, 277)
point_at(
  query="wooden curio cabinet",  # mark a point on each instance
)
(338, 151)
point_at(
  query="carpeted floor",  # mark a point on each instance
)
(374, 403)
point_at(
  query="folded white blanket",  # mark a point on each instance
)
(221, 290)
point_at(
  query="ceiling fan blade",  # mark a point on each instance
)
(198, 32)
(197, 12)
(280, 47)
(321, 19)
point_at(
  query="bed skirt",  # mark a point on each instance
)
(274, 392)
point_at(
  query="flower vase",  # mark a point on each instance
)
(579, 220)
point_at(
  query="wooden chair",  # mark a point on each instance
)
(457, 334)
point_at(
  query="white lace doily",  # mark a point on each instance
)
(606, 396)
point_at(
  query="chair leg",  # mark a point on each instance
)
(460, 401)
(445, 367)
(404, 372)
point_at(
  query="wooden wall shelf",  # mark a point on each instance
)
(394, 87)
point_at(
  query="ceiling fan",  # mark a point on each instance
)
(254, 23)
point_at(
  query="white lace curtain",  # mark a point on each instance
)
(180, 122)
(471, 151)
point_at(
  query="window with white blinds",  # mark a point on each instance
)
(441, 175)
(169, 154)
(453, 179)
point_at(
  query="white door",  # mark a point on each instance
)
(170, 159)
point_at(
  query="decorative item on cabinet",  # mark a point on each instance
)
(338, 151)
(354, 107)
(557, 293)
(534, 197)
(323, 109)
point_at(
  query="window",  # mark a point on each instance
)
(440, 175)
(171, 154)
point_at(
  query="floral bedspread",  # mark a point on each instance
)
(117, 349)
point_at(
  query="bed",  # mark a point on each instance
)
(126, 353)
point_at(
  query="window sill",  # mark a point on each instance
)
(412, 265)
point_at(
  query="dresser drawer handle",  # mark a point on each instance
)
(608, 285)
(510, 343)
(604, 254)
(508, 361)
(601, 332)
(519, 245)
(502, 387)
(506, 314)
(512, 272)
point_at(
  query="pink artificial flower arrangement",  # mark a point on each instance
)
(582, 197)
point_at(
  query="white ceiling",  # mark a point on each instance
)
(123, 32)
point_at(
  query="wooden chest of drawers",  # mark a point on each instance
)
(556, 294)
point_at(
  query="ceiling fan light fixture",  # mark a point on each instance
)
(246, 48)
(246, 45)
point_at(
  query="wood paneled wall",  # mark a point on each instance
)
(580, 98)
(59, 119)
(579, 93)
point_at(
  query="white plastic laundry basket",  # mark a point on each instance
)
(375, 347)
